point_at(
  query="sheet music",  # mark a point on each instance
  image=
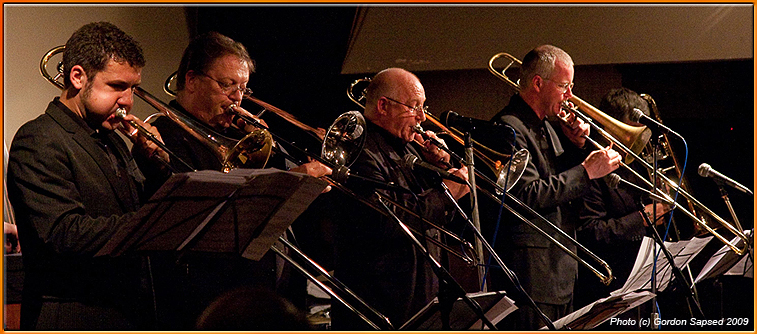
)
(724, 259)
(596, 313)
(495, 304)
(745, 268)
(498, 312)
(641, 275)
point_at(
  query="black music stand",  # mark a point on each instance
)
(243, 212)
(495, 305)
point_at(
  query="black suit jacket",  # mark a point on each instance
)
(70, 196)
(612, 227)
(373, 256)
(550, 182)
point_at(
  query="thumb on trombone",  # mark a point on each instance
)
(601, 162)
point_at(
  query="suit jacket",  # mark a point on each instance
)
(374, 257)
(183, 289)
(612, 227)
(549, 184)
(71, 188)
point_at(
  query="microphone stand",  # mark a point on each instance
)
(676, 271)
(654, 324)
(449, 288)
(526, 299)
(736, 222)
(469, 162)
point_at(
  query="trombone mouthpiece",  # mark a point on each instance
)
(419, 129)
(120, 113)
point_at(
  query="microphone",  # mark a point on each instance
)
(638, 116)
(411, 161)
(453, 119)
(706, 171)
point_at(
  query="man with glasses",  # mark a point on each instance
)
(373, 256)
(212, 75)
(556, 175)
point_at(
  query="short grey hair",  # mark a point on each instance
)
(541, 61)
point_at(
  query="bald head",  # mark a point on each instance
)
(389, 100)
(390, 82)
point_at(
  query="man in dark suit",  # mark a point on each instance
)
(611, 221)
(73, 183)
(552, 179)
(374, 257)
(211, 78)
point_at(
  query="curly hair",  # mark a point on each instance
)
(92, 45)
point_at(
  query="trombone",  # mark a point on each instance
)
(520, 159)
(316, 133)
(252, 151)
(632, 141)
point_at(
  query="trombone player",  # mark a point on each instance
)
(212, 76)
(611, 221)
(558, 173)
(73, 183)
(372, 255)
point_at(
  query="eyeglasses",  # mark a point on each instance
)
(563, 86)
(413, 110)
(229, 88)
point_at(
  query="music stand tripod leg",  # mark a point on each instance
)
(454, 289)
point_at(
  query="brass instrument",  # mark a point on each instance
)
(343, 143)
(634, 137)
(488, 156)
(252, 151)
(520, 159)
(168, 87)
(631, 141)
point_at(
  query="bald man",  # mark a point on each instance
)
(373, 255)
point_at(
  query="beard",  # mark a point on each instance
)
(96, 120)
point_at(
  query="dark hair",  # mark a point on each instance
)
(204, 49)
(618, 103)
(252, 309)
(92, 45)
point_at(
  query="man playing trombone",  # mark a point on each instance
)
(611, 222)
(73, 184)
(552, 179)
(373, 256)
(212, 76)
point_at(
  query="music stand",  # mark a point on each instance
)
(243, 212)
(495, 304)
(596, 313)
(725, 260)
